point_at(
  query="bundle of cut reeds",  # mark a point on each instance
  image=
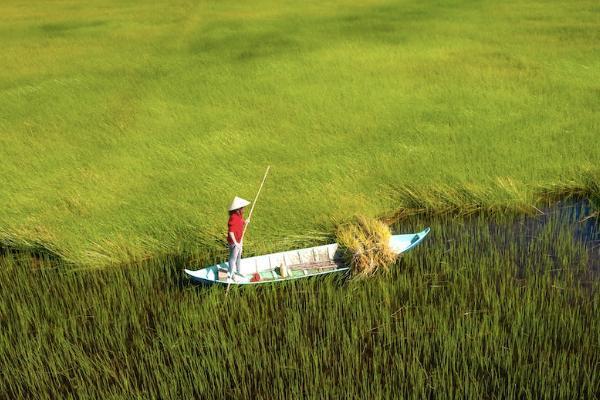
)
(365, 246)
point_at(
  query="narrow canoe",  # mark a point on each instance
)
(301, 263)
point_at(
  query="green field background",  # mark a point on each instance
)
(126, 127)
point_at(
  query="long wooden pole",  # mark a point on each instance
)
(255, 200)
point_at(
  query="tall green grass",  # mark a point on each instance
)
(478, 310)
(126, 128)
(502, 198)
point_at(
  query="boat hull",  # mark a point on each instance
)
(294, 264)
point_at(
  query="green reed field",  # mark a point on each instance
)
(470, 313)
(127, 127)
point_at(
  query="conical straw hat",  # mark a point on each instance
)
(238, 202)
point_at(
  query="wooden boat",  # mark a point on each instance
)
(293, 264)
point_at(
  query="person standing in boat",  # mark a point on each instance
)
(235, 233)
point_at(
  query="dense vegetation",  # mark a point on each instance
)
(126, 128)
(479, 310)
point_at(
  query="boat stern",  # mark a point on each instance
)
(207, 275)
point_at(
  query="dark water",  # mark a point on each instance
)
(565, 225)
(564, 235)
(578, 218)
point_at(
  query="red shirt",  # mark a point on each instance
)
(236, 225)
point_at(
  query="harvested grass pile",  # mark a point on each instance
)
(365, 246)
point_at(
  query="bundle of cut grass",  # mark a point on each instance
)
(365, 246)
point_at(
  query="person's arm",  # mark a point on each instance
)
(235, 242)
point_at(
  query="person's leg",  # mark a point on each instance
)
(238, 261)
(233, 254)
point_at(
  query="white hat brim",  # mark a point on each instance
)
(238, 203)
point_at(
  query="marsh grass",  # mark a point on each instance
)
(460, 200)
(585, 185)
(126, 129)
(503, 198)
(481, 309)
